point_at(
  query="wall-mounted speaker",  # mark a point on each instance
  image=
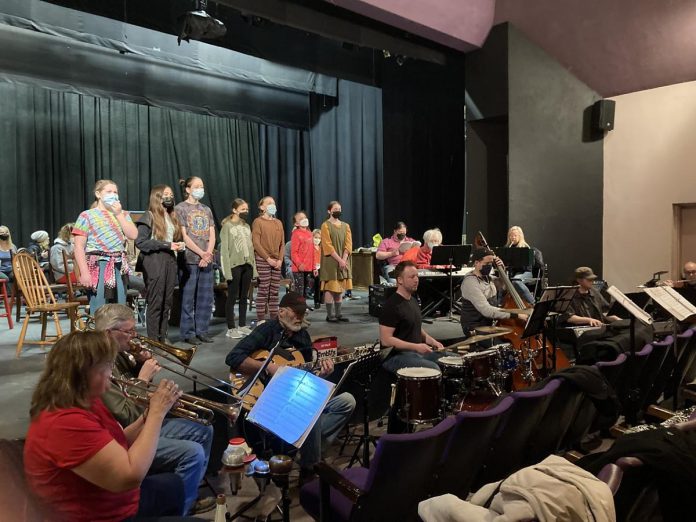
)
(603, 115)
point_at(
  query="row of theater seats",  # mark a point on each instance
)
(465, 451)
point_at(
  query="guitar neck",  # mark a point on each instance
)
(336, 359)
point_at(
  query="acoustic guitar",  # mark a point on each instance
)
(291, 358)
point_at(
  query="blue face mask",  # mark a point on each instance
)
(110, 199)
(271, 210)
(486, 270)
(198, 193)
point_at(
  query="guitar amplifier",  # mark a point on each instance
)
(378, 296)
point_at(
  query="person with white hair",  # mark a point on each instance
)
(39, 245)
(431, 239)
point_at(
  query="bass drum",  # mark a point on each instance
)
(418, 395)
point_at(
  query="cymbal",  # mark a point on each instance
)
(476, 338)
(492, 329)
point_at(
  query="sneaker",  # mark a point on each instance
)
(203, 505)
(331, 319)
(234, 333)
(192, 340)
(342, 319)
(205, 338)
(245, 330)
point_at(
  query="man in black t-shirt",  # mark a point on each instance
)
(400, 325)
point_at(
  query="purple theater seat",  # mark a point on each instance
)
(400, 475)
(467, 448)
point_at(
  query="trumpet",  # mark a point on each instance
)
(187, 407)
(177, 356)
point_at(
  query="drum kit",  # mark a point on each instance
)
(426, 395)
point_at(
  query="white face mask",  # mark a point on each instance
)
(198, 193)
(271, 210)
(317, 241)
(432, 245)
(304, 222)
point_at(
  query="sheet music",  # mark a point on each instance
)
(629, 305)
(291, 404)
(671, 301)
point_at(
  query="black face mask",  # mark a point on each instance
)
(400, 237)
(336, 214)
(244, 215)
(168, 203)
(486, 270)
(4, 237)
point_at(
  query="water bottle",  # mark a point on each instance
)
(217, 276)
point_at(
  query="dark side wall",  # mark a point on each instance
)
(531, 158)
(555, 176)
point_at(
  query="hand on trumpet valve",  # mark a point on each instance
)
(149, 369)
(164, 398)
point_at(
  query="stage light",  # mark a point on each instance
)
(199, 25)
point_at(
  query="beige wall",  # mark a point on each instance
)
(649, 164)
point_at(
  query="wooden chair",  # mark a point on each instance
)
(39, 298)
(81, 300)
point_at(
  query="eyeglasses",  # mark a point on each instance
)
(690, 272)
(132, 332)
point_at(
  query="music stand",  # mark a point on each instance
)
(514, 257)
(554, 301)
(363, 370)
(451, 256)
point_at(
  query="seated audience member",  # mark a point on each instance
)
(63, 243)
(388, 249)
(39, 245)
(289, 329)
(77, 459)
(431, 239)
(183, 446)
(7, 249)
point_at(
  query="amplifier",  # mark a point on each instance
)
(378, 296)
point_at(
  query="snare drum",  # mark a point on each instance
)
(418, 394)
(480, 366)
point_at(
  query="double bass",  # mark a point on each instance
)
(534, 352)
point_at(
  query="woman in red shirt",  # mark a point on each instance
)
(431, 239)
(77, 458)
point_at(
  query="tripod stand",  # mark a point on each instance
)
(363, 369)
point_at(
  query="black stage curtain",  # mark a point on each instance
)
(339, 158)
(55, 145)
(424, 148)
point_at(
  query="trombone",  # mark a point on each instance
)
(177, 356)
(187, 407)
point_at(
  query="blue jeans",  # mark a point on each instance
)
(519, 282)
(411, 359)
(184, 448)
(196, 287)
(337, 412)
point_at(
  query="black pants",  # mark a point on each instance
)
(317, 291)
(238, 289)
(160, 273)
(304, 281)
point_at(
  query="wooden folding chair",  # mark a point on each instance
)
(82, 300)
(39, 299)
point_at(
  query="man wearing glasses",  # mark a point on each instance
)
(687, 286)
(184, 445)
(479, 294)
(288, 328)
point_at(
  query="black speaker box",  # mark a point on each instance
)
(377, 297)
(603, 115)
